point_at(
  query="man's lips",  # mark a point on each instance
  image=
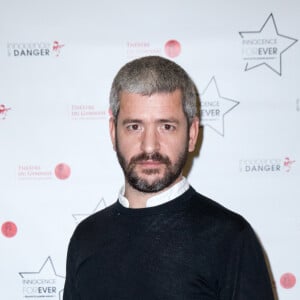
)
(149, 163)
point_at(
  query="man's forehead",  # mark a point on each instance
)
(147, 94)
(132, 101)
(157, 97)
(159, 106)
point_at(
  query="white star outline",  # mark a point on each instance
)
(269, 28)
(225, 105)
(45, 271)
(80, 217)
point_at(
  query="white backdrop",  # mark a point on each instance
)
(57, 62)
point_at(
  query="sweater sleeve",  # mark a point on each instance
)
(246, 276)
(70, 290)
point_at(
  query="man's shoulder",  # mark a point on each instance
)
(215, 214)
(96, 222)
(90, 234)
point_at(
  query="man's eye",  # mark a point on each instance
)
(133, 127)
(168, 127)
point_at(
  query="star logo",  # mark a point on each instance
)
(214, 107)
(265, 47)
(80, 217)
(43, 284)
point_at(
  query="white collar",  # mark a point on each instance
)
(170, 194)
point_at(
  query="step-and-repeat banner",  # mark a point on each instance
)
(57, 62)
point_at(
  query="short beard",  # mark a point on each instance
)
(172, 172)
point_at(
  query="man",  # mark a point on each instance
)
(161, 239)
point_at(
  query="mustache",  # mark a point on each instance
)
(155, 156)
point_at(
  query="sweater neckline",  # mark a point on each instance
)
(176, 204)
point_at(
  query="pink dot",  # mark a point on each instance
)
(62, 171)
(172, 48)
(9, 229)
(288, 280)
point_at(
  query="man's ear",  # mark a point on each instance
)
(193, 134)
(112, 131)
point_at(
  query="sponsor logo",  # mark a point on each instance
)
(62, 171)
(265, 47)
(56, 47)
(3, 111)
(9, 229)
(38, 172)
(44, 283)
(81, 216)
(287, 163)
(35, 49)
(172, 48)
(288, 280)
(141, 48)
(87, 112)
(135, 49)
(267, 165)
(215, 107)
(33, 172)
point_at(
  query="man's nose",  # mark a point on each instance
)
(150, 140)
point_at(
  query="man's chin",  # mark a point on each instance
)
(148, 184)
(149, 188)
(150, 176)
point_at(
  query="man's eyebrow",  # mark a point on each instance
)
(170, 120)
(127, 121)
(139, 121)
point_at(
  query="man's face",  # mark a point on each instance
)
(152, 139)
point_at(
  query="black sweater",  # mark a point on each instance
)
(188, 248)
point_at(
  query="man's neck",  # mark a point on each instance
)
(138, 199)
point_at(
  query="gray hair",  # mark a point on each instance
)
(154, 74)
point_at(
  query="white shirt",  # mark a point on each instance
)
(170, 194)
